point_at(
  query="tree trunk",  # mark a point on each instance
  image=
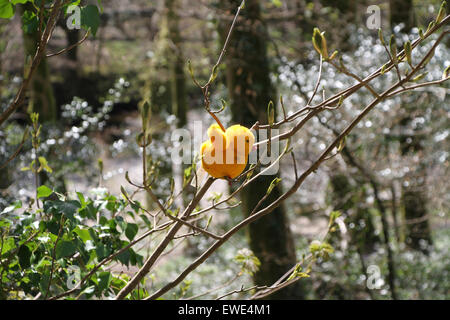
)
(169, 64)
(42, 96)
(349, 199)
(402, 12)
(418, 234)
(250, 91)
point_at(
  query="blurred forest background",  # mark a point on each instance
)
(390, 182)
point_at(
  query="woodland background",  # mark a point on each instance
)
(390, 181)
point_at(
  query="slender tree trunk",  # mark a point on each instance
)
(402, 12)
(348, 198)
(169, 65)
(383, 214)
(250, 91)
(166, 85)
(418, 233)
(42, 96)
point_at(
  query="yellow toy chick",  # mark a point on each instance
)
(225, 154)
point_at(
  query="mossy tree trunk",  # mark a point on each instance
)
(250, 90)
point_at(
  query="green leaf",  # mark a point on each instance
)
(277, 3)
(124, 258)
(6, 10)
(101, 251)
(8, 245)
(12, 207)
(100, 5)
(104, 280)
(131, 231)
(84, 234)
(44, 164)
(65, 249)
(90, 18)
(68, 208)
(14, 2)
(24, 254)
(82, 199)
(314, 246)
(30, 22)
(146, 221)
(44, 191)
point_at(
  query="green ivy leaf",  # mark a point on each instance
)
(124, 258)
(104, 280)
(90, 18)
(30, 22)
(24, 255)
(68, 208)
(8, 245)
(146, 221)
(131, 231)
(65, 249)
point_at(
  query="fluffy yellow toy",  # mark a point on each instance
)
(225, 154)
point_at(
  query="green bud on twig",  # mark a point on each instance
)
(446, 73)
(421, 33)
(270, 113)
(125, 194)
(100, 165)
(441, 13)
(333, 55)
(320, 43)
(408, 50)
(208, 222)
(214, 73)
(172, 185)
(380, 35)
(420, 76)
(142, 140)
(273, 184)
(145, 114)
(191, 72)
(341, 101)
(341, 144)
(430, 26)
(393, 48)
